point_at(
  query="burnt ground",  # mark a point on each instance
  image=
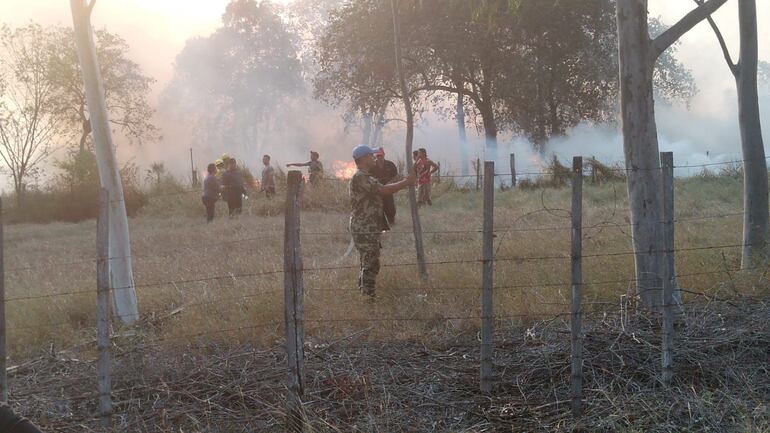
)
(721, 381)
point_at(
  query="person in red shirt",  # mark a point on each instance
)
(424, 168)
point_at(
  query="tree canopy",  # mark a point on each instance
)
(236, 81)
(532, 67)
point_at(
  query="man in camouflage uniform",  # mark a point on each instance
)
(315, 168)
(367, 218)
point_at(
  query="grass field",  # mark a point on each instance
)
(171, 243)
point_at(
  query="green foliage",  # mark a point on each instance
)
(126, 88)
(533, 67)
(72, 194)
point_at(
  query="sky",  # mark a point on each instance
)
(156, 30)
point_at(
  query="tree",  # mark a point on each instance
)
(29, 122)
(405, 96)
(532, 67)
(122, 279)
(236, 82)
(565, 69)
(156, 172)
(637, 54)
(126, 88)
(755, 188)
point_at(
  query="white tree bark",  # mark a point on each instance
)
(637, 56)
(122, 280)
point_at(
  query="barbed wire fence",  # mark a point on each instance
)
(294, 292)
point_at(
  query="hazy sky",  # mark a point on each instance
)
(157, 30)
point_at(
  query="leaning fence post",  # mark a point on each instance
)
(293, 296)
(486, 284)
(103, 367)
(3, 349)
(513, 170)
(667, 173)
(577, 282)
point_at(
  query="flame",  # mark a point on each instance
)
(344, 169)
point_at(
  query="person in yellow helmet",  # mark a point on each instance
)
(220, 165)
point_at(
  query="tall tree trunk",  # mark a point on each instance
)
(84, 135)
(366, 132)
(122, 280)
(490, 128)
(640, 147)
(465, 158)
(416, 226)
(637, 57)
(755, 188)
(18, 186)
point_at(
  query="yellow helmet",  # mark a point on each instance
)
(225, 156)
(219, 162)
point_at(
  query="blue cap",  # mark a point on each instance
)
(362, 150)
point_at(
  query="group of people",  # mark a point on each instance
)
(224, 179)
(371, 190)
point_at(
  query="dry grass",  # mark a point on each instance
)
(172, 243)
(720, 381)
(205, 350)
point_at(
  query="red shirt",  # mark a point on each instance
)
(422, 168)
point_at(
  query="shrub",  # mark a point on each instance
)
(72, 195)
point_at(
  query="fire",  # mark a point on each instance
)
(344, 169)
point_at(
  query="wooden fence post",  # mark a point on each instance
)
(478, 174)
(103, 363)
(293, 302)
(487, 329)
(193, 170)
(3, 349)
(667, 173)
(577, 282)
(438, 173)
(513, 170)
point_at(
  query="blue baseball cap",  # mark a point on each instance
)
(362, 150)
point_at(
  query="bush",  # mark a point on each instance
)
(72, 195)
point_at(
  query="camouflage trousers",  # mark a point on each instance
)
(368, 246)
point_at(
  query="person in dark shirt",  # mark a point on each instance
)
(210, 191)
(233, 188)
(12, 423)
(385, 172)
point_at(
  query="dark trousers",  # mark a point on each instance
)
(210, 203)
(389, 206)
(234, 203)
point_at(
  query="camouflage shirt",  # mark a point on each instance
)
(367, 214)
